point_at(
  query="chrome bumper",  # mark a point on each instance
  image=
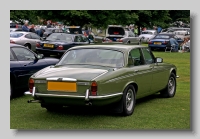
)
(87, 97)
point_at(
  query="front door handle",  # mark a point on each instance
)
(136, 70)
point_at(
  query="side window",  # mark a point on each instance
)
(136, 56)
(23, 54)
(148, 58)
(11, 56)
(28, 36)
(34, 36)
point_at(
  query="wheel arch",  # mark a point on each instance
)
(133, 84)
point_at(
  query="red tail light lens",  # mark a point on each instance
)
(60, 47)
(11, 41)
(31, 85)
(37, 45)
(149, 42)
(93, 89)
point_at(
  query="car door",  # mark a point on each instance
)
(15, 70)
(142, 72)
(158, 72)
(28, 62)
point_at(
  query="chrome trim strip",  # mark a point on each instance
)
(87, 95)
(40, 81)
(83, 83)
(27, 93)
(63, 79)
(73, 96)
(33, 93)
(100, 75)
(107, 96)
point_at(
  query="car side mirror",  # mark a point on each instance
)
(159, 60)
(40, 56)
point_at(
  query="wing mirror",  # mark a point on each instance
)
(159, 60)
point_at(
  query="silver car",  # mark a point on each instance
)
(28, 39)
(147, 35)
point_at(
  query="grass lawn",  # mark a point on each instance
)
(151, 112)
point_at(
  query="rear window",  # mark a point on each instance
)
(16, 35)
(116, 31)
(162, 37)
(146, 32)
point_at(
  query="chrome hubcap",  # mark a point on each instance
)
(129, 100)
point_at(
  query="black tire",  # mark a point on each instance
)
(129, 99)
(170, 89)
(27, 46)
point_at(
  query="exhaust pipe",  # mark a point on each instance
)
(33, 101)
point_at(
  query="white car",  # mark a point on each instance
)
(147, 35)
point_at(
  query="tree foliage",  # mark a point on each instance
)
(102, 18)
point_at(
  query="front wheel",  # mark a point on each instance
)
(170, 89)
(129, 99)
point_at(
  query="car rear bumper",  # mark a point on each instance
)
(77, 100)
(49, 51)
(156, 46)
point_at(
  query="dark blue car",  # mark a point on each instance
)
(58, 43)
(161, 41)
(24, 63)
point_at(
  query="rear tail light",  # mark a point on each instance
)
(93, 91)
(120, 40)
(31, 85)
(37, 44)
(11, 41)
(60, 47)
(149, 42)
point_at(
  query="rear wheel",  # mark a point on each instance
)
(170, 89)
(129, 99)
(27, 46)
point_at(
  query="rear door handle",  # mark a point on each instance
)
(136, 70)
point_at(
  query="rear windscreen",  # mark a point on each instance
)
(116, 31)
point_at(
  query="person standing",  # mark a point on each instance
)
(25, 27)
(32, 29)
(40, 32)
(174, 43)
(136, 31)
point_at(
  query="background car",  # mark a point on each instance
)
(27, 39)
(24, 63)
(130, 38)
(114, 33)
(147, 35)
(15, 29)
(58, 43)
(161, 40)
(85, 75)
(49, 31)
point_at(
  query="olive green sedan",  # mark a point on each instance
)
(103, 75)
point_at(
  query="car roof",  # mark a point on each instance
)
(21, 32)
(14, 45)
(168, 34)
(120, 47)
(149, 30)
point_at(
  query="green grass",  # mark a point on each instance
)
(150, 113)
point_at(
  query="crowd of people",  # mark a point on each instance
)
(39, 32)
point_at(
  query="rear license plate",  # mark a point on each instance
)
(62, 86)
(159, 43)
(48, 45)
